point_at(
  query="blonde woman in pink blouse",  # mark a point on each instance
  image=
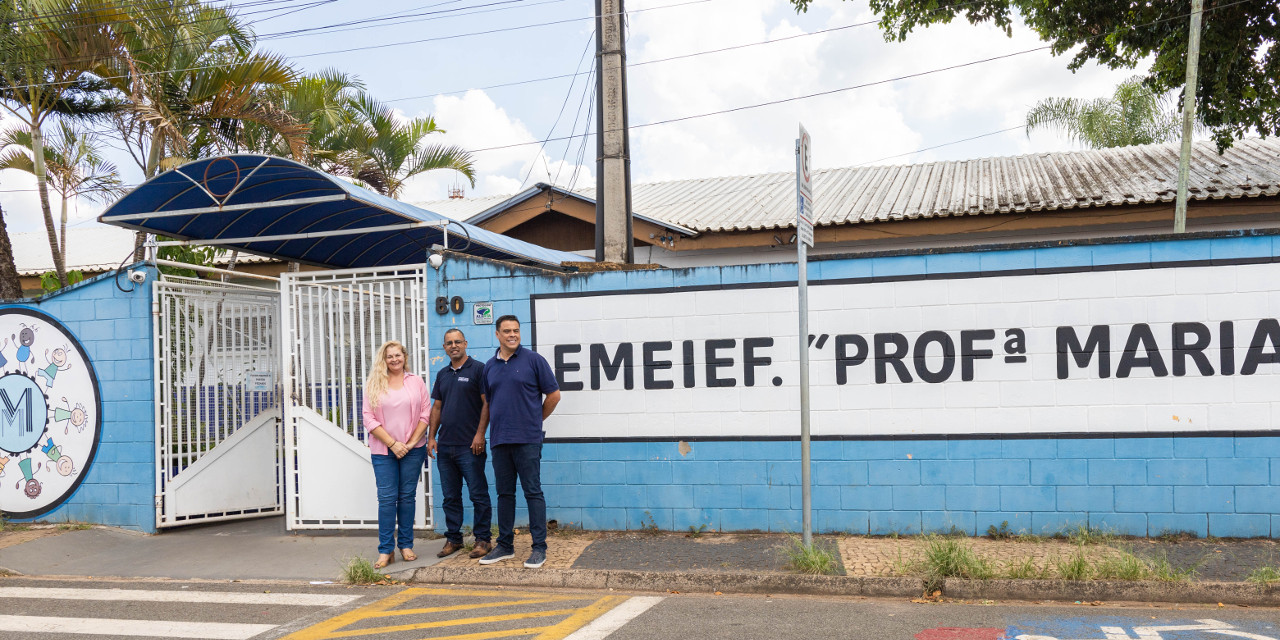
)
(396, 411)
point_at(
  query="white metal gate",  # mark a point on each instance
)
(217, 401)
(334, 322)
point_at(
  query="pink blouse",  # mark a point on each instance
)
(398, 413)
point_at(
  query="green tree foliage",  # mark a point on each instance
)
(1239, 67)
(1134, 114)
(74, 164)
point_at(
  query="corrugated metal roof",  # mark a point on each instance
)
(461, 208)
(1028, 183)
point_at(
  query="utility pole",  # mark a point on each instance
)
(614, 242)
(1188, 116)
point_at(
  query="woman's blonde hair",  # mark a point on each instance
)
(376, 385)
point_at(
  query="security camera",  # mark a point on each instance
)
(435, 260)
(137, 276)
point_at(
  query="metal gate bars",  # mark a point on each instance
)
(217, 401)
(334, 322)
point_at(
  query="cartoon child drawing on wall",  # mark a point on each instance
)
(4, 460)
(63, 463)
(32, 487)
(3, 360)
(25, 338)
(57, 362)
(78, 416)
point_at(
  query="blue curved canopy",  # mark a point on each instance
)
(279, 208)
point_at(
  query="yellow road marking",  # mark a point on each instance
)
(452, 623)
(384, 608)
(581, 617)
(464, 607)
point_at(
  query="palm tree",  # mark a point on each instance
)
(1134, 114)
(382, 150)
(48, 52)
(321, 102)
(74, 163)
(10, 285)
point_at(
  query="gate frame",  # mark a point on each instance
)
(177, 284)
(289, 354)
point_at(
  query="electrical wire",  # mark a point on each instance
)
(563, 105)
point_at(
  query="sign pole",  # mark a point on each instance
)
(804, 238)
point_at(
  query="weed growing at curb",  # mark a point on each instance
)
(1075, 567)
(1125, 567)
(697, 531)
(1026, 570)
(360, 571)
(813, 559)
(1161, 569)
(952, 558)
(1085, 535)
(649, 525)
(1002, 532)
(1264, 576)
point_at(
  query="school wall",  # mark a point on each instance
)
(1088, 457)
(114, 327)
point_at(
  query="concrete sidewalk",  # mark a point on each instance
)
(658, 561)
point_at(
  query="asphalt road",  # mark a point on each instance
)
(56, 609)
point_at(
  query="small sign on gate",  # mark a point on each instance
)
(260, 382)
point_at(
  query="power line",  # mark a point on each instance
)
(568, 94)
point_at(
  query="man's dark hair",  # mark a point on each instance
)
(455, 330)
(507, 318)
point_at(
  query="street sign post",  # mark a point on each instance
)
(804, 236)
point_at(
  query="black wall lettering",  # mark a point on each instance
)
(969, 351)
(1227, 348)
(1266, 336)
(1140, 336)
(714, 362)
(1016, 342)
(844, 360)
(886, 358)
(1099, 341)
(687, 347)
(562, 367)
(651, 366)
(948, 356)
(1183, 349)
(621, 361)
(750, 360)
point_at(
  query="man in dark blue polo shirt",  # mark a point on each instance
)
(459, 415)
(522, 392)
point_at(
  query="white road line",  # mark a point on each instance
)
(208, 597)
(614, 619)
(134, 628)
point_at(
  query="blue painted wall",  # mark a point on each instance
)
(1225, 486)
(115, 329)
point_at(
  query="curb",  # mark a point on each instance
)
(871, 586)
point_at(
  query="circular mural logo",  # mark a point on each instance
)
(49, 413)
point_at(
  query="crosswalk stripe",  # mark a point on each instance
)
(206, 597)
(133, 628)
(615, 618)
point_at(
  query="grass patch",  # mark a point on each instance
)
(1264, 576)
(953, 558)
(696, 532)
(1161, 569)
(1026, 570)
(1086, 535)
(1124, 567)
(649, 525)
(813, 559)
(1075, 567)
(74, 526)
(360, 571)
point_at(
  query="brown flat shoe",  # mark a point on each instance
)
(448, 550)
(408, 555)
(384, 559)
(482, 548)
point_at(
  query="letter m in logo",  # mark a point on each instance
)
(16, 415)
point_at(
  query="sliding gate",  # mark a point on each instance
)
(217, 401)
(334, 322)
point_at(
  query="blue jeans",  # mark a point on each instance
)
(456, 464)
(524, 461)
(397, 480)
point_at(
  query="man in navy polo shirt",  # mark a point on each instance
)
(522, 392)
(459, 415)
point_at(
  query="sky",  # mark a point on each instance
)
(447, 58)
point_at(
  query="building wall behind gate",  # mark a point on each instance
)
(1103, 453)
(114, 328)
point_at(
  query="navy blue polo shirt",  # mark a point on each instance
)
(515, 388)
(458, 392)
